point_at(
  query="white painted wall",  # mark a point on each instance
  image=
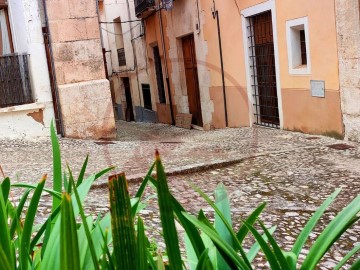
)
(26, 26)
(119, 8)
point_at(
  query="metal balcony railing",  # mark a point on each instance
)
(15, 87)
(142, 5)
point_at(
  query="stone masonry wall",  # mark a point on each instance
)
(348, 36)
(84, 91)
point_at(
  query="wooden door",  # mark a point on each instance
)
(129, 112)
(263, 65)
(192, 81)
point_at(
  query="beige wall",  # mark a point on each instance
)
(83, 89)
(348, 38)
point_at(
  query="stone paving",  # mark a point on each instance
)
(292, 172)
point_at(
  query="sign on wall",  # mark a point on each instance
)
(317, 88)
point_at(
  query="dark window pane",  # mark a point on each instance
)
(159, 75)
(146, 96)
(121, 57)
(303, 47)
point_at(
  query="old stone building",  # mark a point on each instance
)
(348, 40)
(52, 68)
(240, 63)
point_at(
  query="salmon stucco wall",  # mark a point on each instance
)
(301, 111)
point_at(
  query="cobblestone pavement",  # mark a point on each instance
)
(292, 172)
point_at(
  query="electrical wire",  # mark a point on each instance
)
(121, 22)
(113, 33)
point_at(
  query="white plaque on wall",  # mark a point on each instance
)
(317, 88)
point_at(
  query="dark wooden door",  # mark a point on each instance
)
(263, 65)
(192, 81)
(129, 115)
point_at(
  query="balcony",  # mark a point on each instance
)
(15, 88)
(144, 7)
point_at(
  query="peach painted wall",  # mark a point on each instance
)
(300, 110)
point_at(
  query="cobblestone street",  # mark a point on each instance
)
(292, 172)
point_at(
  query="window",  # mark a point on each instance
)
(119, 41)
(5, 35)
(159, 75)
(146, 96)
(298, 46)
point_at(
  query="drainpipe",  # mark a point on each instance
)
(215, 14)
(102, 41)
(57, 99)
(166, 67)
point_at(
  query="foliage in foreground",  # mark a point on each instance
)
(69, 239)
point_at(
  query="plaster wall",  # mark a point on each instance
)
(300, 111)
(84, 91)
(29, 121)
(134, 46)
(348, 40)
(188, 14)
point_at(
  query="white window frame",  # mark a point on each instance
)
(293, 46)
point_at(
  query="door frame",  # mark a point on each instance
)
(245, 21)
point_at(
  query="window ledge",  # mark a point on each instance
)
(24, 107)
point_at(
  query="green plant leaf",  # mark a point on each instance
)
(270, 256)
(254, 250)
(331, 233)
(122, 223)
(223, 204)
(277, 251)
(167, 218)
(24, 251)
(141, 246)
(82, 172)
(6, 251)
(356, 265)
(69, 246)
(51, 256)
(5, 186)
(51, 192)
(42, 229)
(15, 221)
(236, 243)
(347, 257)
(243, 231)
(219, 243)
(84, 221)
(190, 229)
(141, 190)
(204, 261)
(303, 236)
(57, 174)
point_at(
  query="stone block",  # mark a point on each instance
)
(352, 127)
(68, 30)
(82, 8)
(69, 94)
(87, 49)
(78, 71)
(92, 28)
(97, 89)
(63, 52)
(101, 129)
(350, 101)
(58, 9)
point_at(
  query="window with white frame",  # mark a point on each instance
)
(5, 36)
(297, 34)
